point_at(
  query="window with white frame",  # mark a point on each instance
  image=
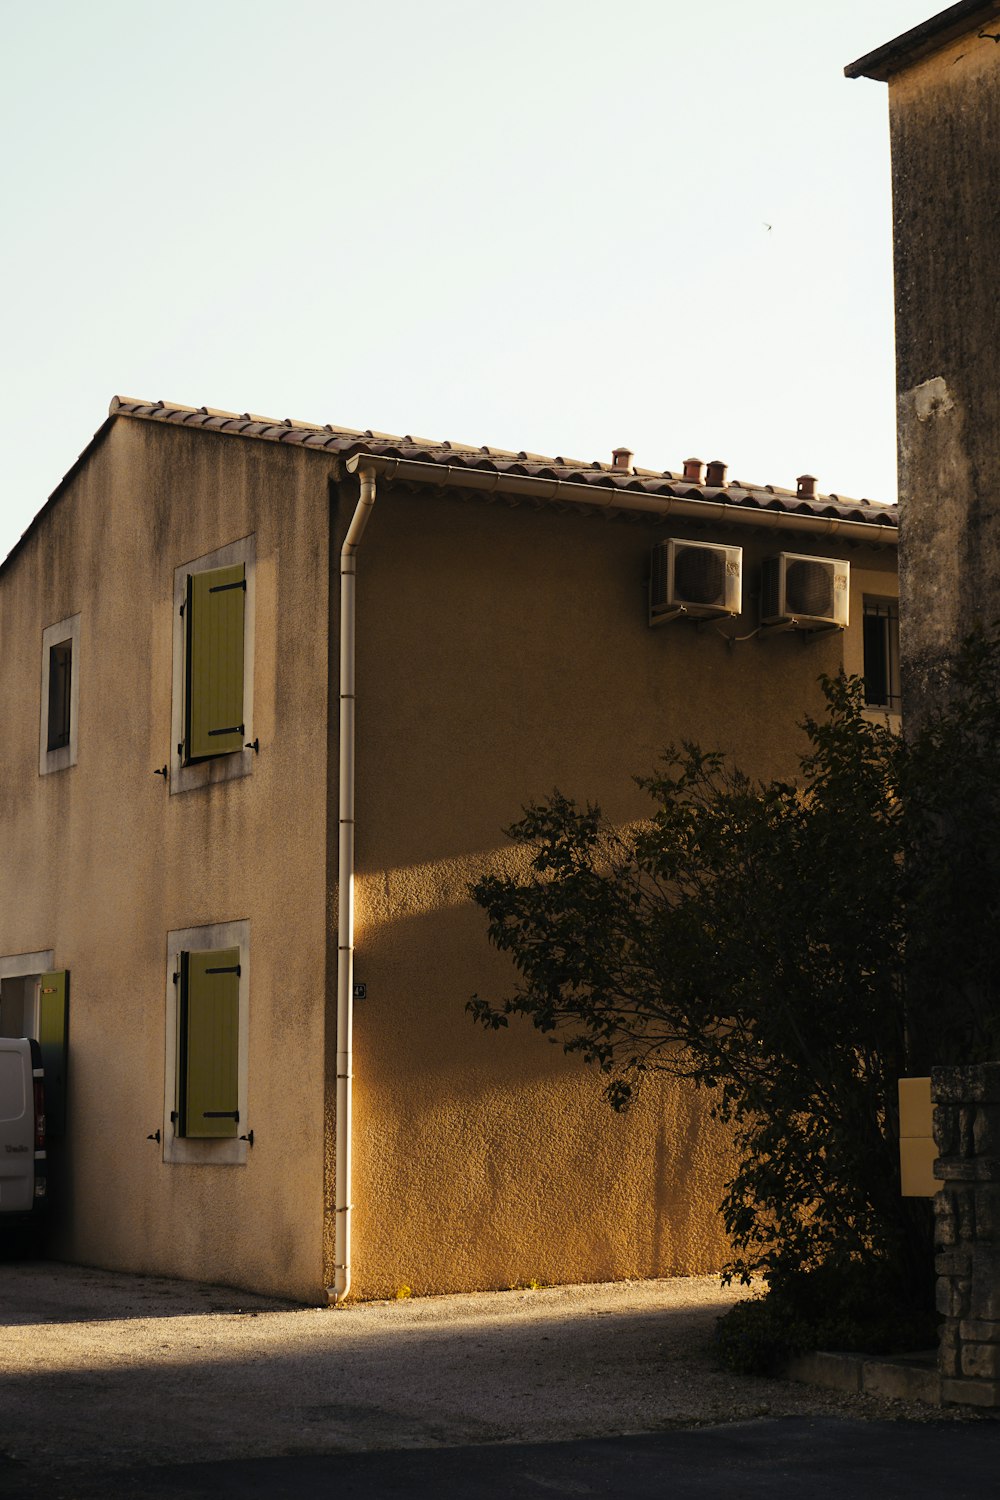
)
(60, 696)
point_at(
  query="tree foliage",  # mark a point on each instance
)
(792, 947)
(951, 893)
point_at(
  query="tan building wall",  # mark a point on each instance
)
(501, 652)
(101, 861)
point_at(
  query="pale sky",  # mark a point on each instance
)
(562, 226)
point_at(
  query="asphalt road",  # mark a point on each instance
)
(820, 1458)
(114, 1386)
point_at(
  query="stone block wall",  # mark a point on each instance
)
(967, 1230)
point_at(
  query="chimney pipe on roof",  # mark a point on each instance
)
(805, 487)
(692, 469)
(715, 474)
(622, 458)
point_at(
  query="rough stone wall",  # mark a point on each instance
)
(967, 1230)
(945, 123)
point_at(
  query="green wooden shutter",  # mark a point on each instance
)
(214, 707)
(208, 1050)
(53, 1036)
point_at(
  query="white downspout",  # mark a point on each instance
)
(345, 889)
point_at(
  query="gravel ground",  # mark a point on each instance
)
(111, 1370)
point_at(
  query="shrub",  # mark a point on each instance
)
(856, 1308)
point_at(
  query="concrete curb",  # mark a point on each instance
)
(903, 1377)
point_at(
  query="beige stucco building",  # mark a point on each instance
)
(172, 796)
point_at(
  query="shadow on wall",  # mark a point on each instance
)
(485, 1158)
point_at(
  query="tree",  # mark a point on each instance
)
(752, 937)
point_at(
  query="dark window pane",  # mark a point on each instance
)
(876, 660)
(881, 648)
(60, 681)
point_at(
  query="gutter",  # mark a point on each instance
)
(572, 492)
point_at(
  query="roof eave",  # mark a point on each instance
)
(570, 492)
(653, 494)
(60, 488)
(920, 41)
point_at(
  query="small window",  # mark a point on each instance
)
(205, 1096)
(881, 645)
(60, 682)
(60, 693)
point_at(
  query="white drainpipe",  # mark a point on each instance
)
(345, 894)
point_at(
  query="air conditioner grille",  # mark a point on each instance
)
(805, 593)
(770, 592)
(809, 588)
(660, 575)
(699, 576)
(694, 581)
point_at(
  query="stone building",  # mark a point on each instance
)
(944, 111)
(180, 779)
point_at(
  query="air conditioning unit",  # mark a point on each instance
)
(697, 580)
(804, 593)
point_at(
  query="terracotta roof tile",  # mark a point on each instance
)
(348, 441)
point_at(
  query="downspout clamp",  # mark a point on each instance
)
(345, 888)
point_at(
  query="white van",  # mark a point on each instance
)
(23, 1161)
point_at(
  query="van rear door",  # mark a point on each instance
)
(17, 1126)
